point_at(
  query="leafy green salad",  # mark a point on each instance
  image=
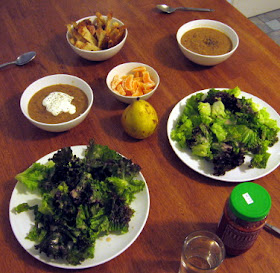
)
(222, 128)
(82, 200)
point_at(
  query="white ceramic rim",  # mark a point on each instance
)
(54, 125)
(105, 250)
(201, 22)
(103, 50)
(157, 80)
(200, 165)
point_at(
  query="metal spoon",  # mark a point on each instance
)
(168, 9)
(271, 227)
(22, 59)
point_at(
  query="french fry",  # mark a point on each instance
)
(77, 36)
(100, 21)
(109, 22)
(119, 36)
(80, 44)
(91, 47)
(100, 34)
(85, 33)
(91, 29)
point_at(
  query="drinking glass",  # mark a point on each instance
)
(203, 251)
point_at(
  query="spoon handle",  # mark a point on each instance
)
(194, 9)
(275, 229)
(5, 64)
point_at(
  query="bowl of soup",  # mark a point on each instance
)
(207, 42)
(57, 103)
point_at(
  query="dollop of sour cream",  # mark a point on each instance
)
(58, 102)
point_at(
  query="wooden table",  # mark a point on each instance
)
(181, 199)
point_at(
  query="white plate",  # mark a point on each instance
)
(106, 248)
(240, 174)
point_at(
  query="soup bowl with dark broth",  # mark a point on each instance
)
(207, 42)
(57, 103)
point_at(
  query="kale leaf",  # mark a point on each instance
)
(82, 200)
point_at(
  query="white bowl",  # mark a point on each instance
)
(100, 55)
(207, 60)
(124, 69)
(53, 80)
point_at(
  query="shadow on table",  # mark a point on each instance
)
(164, 247)
(17, 122)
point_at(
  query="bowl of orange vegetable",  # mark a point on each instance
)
(129, 81)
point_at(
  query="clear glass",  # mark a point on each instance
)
(203, 251)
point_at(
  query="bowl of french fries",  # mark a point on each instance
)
(129, 81)
(97, 38)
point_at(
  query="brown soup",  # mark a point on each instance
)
(39, 113)
(206, 41)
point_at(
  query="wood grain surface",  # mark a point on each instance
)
(181, 199)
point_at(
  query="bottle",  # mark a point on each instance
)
(245, 213)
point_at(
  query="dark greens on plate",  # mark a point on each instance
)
(82, 200)
(223, 127)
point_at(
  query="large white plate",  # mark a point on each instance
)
(240, 174)
(107, 247)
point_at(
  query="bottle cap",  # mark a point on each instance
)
(250, 202)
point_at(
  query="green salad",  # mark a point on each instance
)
(82, 200)
(222, 128)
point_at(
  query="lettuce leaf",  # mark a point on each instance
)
(82, 200)
(35, 175)
(223, 128)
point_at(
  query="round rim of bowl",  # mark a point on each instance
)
(210, 21)
(102, 50)
(90, 101)
(136, 65)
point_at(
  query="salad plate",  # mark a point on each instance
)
(106, 248)
(239, 174)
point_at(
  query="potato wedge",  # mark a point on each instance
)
(102, 33)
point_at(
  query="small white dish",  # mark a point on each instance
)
(207, 60)
(100, 55)
(240, 174)
(106, 248)
(53, 80)
(124, 69)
